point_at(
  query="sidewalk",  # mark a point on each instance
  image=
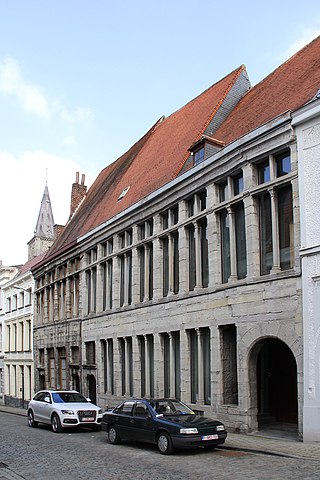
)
(255, 443)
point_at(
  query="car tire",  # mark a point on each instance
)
(164, 443)
(31, 421)
(56, 424)
(113, 436)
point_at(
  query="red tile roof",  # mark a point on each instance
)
(290, 86)
(160, 154)
(30, 264)
(152, 162)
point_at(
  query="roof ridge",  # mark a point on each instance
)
(237, 72)
(289, 60)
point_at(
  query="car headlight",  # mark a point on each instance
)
(99, 411)
(188, 430)
(67, 412)
(220, 428)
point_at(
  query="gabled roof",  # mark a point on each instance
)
(30, 264)
(152, 162)
(161, 153)
(289, 87)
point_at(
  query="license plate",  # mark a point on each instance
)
(210, 437)
(88, 419)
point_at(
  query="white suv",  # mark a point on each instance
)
(62, 409)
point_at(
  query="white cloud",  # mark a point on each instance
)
(69, 140)
(32, 99)
(23, 181)
(306, 36)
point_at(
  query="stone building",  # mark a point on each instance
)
(180, 272)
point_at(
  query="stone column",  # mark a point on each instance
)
(183, 249)
(172, 366)
(185, 366)
(197, 234)
(200, 368)
(147, 365)
(233, 250)
(158, 370)
(68, 297)
(136, 364)
(99, 288)
(56, 312)
(171, 264)
(135, 267)
(127, 366)
(275, 231)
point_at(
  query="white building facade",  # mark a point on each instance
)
(18, 340)
(307, 126)
(6, 273)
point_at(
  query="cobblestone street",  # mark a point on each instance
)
(33, 454)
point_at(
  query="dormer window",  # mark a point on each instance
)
(198, 156)
(123, 193)
(204, 148)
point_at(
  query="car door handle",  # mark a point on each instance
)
(131, 421)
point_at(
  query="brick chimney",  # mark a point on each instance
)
(78, 192)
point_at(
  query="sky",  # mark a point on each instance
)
(82, 81)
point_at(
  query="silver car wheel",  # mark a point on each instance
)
(56, 424)
(165, 444)
(31, 421)
(113, 436)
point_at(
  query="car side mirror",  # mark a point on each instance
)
(47, 400)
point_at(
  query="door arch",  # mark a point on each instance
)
(275, 392)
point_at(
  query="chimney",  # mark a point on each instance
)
(78, 192)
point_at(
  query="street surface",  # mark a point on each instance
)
(38, 453)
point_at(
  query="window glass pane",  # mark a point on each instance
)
(225, 246)
(204, 253)
(192, 258)
(165, 265)
(238, 184)
(165, 220)
(203, 200)
(142, 270)
(266, 257)
(199, 156)
(223, 194)
(175, 262)
(264, 172)
(191, 207)
(174, 214)
(283, 163)
(241, 249)
(285, 217)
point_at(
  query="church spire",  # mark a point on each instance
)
(44, 233)
(45, 223)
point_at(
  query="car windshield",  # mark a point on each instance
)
(68, 397)
(171, 407)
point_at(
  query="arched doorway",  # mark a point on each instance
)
(91, 384)
(276, 384)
